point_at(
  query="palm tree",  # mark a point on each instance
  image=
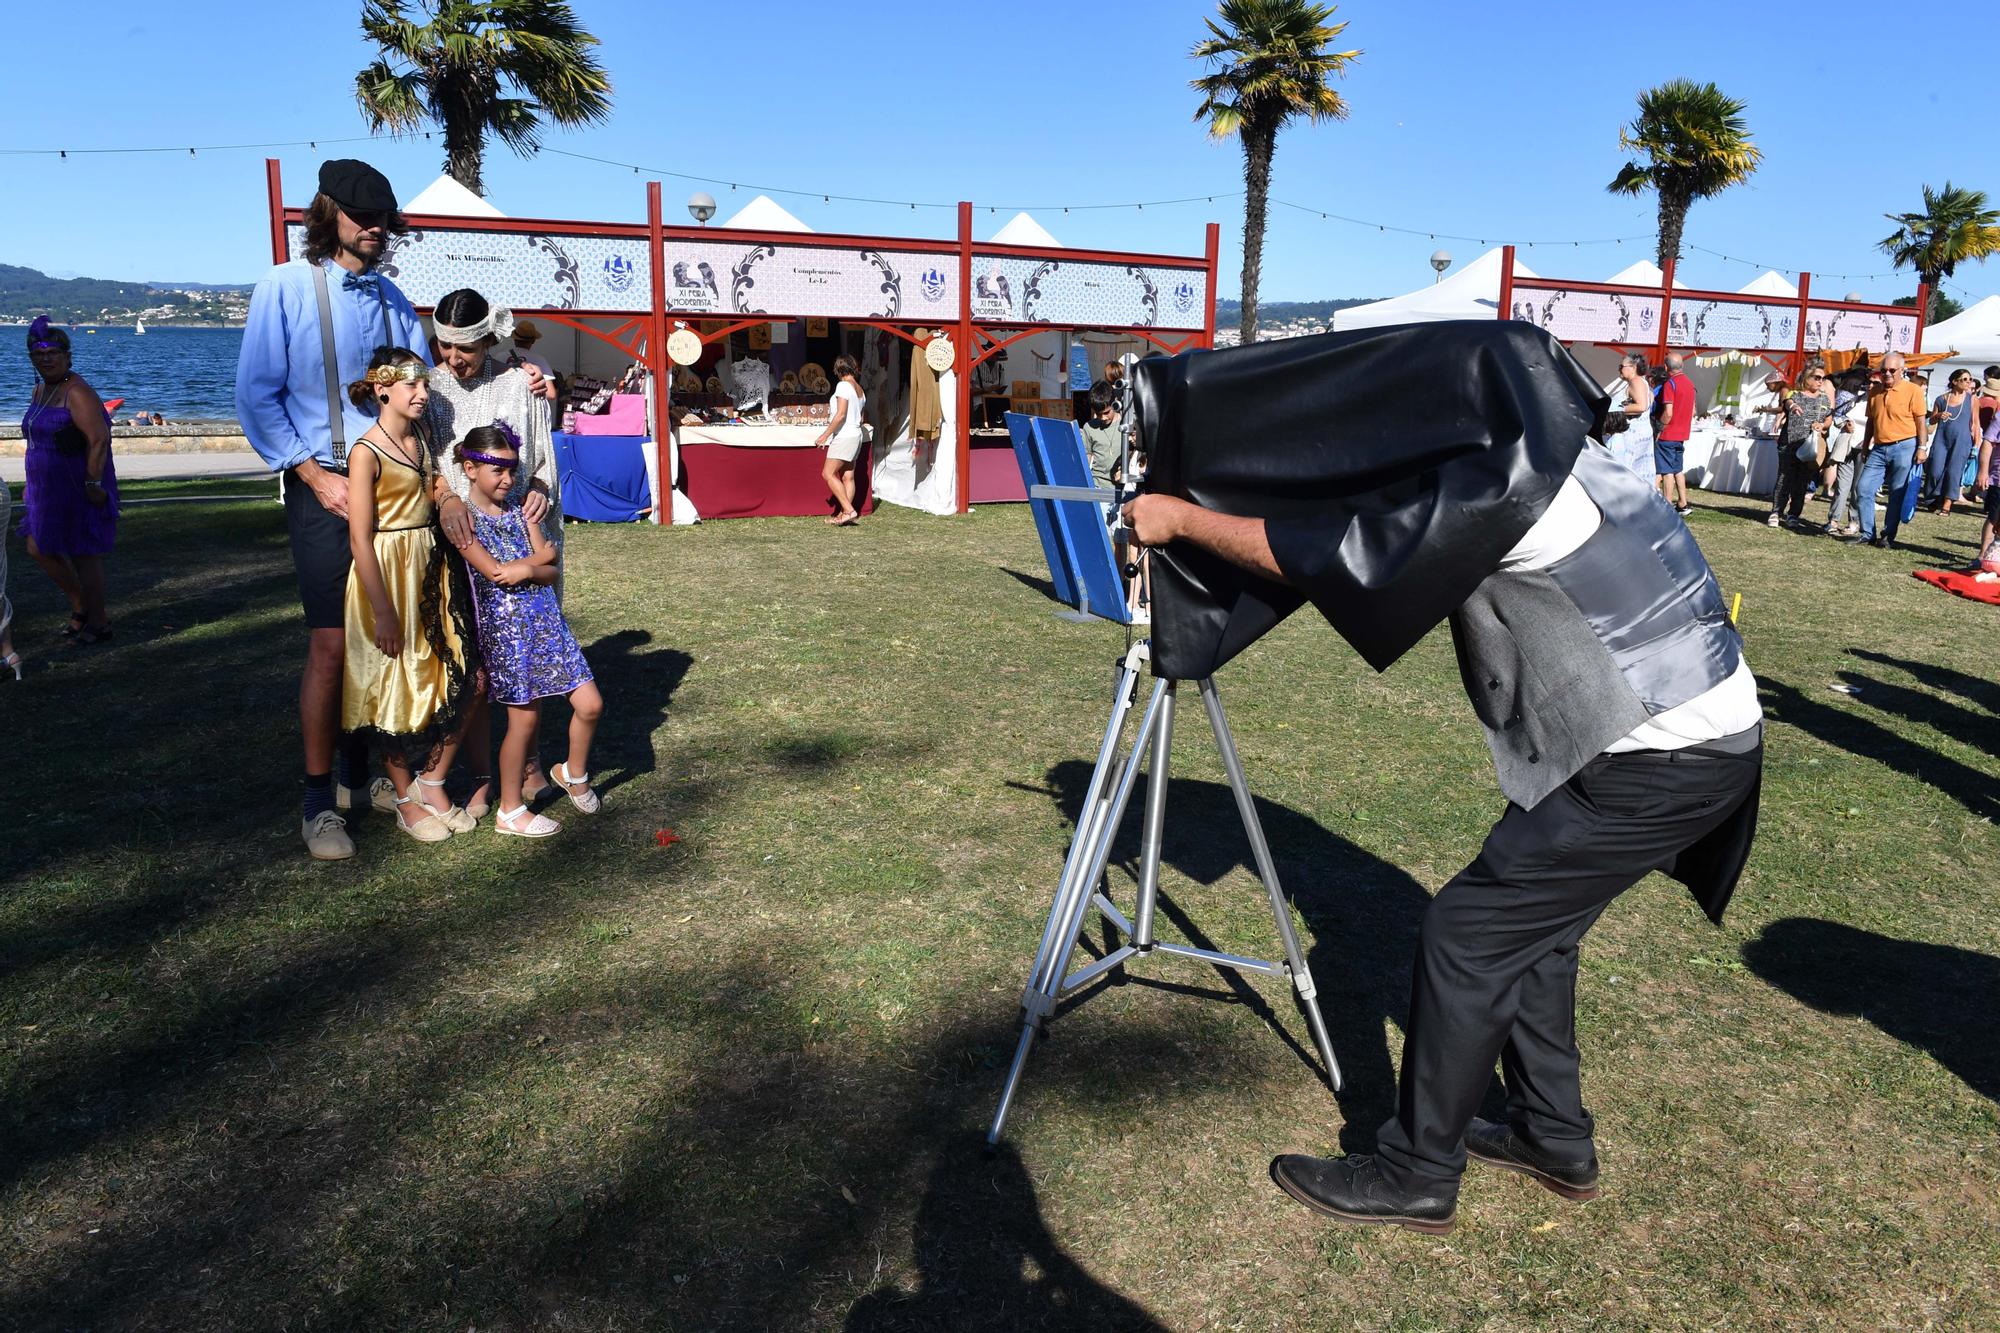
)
(1272, 66)
(454, 62)
(1696, 144)
(1955, 226)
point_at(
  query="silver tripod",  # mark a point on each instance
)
(1111, 786)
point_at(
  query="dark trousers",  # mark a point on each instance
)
(1795, 478)
(1495, 974)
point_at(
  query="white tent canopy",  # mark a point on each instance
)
(1471, 293)
(1973, 332)
(1769, 283)
(765, 214)
(447, 197)
(1024, 230)
(1641, 273)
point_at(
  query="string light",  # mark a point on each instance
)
(63, 154)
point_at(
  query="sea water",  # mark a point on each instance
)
(183, 374)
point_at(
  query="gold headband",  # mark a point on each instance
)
(410, 372)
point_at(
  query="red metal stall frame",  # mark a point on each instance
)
(1793, 357)
(976, 340)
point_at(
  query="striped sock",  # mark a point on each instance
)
(319, 795)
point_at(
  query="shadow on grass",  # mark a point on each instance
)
(1978, 792)
(988, 1260)
(1974, 690)
(1931, 996)
(1033, 581)
(1363, 914)
(637, 687)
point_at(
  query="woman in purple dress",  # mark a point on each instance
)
(71, 500)
(527, 646)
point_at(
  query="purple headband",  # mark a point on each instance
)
(474, 456)
(38, 336)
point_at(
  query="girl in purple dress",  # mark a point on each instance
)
(529, 651)
(72, 493)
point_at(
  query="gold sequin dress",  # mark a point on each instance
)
(414, 701)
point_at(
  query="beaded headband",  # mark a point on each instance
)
(410, 372)
(474, 456)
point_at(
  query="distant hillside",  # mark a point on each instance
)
(1228, 310)
(27, 292)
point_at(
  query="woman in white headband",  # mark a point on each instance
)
(474, 390)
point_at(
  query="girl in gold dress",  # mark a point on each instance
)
(412, 663)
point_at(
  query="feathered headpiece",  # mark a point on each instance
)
(499, 323)
(39, 339)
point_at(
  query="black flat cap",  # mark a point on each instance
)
(356, 186)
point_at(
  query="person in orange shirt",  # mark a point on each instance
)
(1896, 440)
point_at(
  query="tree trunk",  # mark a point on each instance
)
(464, 143)
(1935, 283)
(1259, 143)
(1673, 220)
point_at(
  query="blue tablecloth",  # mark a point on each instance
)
(603, 476)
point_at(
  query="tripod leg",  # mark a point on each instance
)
(1156, 816)
(1097, 825)
(1260, 850)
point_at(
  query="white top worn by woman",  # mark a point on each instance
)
(1632, 446)
(850, 426)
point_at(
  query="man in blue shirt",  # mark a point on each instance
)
(294, 407)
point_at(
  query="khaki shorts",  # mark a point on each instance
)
(844, 449)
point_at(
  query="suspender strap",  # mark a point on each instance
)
(335, 419)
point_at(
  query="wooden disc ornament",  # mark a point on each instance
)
(683, 347)
(939, 354)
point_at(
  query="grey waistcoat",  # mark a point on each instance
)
(1560, 662)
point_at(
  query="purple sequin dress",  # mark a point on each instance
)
(60, 516)
(530, 653)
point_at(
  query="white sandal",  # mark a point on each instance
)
(587, 802)
(11, 662)
(457, 819)
(541, 826)
(428, 829)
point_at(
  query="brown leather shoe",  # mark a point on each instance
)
(1499, 1145)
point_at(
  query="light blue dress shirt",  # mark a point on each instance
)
(281, 374)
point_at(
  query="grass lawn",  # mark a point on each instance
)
(740, 1081)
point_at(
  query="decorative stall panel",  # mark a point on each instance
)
(522, 270)
(724, 277)
(1735, 324)
(1594, 317)
(1870, 330)
(1010, 289)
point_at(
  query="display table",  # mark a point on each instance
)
(996, 472)
(761, 471)
(603, 477)
(1729, 459)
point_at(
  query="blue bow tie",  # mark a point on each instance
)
(360, 282)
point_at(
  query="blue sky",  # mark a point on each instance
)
(1496, 122)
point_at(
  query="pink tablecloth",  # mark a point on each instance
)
(996, 473)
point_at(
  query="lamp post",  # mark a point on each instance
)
(701, 206)
(1440, 261)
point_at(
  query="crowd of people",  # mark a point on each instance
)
(1863, 432)
(1859, 434)
(428, 550)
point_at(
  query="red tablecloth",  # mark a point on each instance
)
(996, 472)
(725, 481)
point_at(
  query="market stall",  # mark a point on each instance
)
(1768, 324)
(770, 292)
